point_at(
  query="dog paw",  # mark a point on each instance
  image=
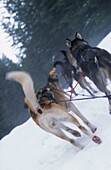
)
(97, 139)
(76, 133)
(94, 129)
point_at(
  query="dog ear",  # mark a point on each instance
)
(54, 69)
(68, 42)
(78, 35)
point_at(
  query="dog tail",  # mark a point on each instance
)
(58, 63)
(65, 53)
(27, 85)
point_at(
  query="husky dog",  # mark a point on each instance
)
(70, 71)
(94, 62)
(59, 95)
(50, 118)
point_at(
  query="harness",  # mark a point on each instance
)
(53, 80)
(88, 55)
(46, 97)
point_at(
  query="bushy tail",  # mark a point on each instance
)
(58, 63)
(27, 85)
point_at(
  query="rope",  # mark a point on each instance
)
(86, 98)
(72, 90)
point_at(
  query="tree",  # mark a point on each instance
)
(12, 111)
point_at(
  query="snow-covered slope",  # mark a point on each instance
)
(28, 147)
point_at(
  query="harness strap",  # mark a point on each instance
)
(72, 90)
(52, 80)
(46, 94)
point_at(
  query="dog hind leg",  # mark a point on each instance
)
(100, 80)
(72, 119)
(85, 85)
(59, 133)
(78, 113)
(68, 129)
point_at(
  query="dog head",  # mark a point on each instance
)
(77, 42)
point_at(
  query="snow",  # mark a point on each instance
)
(28, 147)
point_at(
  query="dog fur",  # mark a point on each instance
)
(94, 62)
(70, 71)
(49, 118)
(59, 95)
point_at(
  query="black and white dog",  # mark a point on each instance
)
(95, 63)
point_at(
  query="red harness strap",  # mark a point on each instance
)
(72, 90)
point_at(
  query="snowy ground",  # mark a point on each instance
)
(28, 147)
